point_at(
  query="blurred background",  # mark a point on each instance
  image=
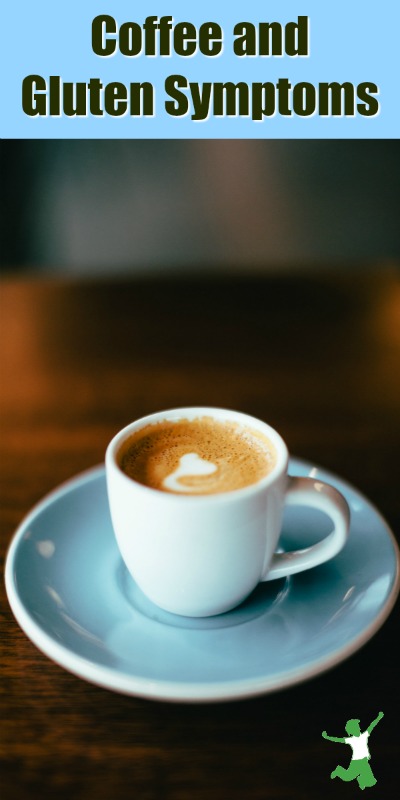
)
(99, 207)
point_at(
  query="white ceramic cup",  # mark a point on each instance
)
(200, 555)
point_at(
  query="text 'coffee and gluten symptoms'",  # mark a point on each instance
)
(162, 37)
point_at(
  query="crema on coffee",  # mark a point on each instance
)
(197, 456)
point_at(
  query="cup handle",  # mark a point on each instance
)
(310, 492)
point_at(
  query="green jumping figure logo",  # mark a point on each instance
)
(359, 767)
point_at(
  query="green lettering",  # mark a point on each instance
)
(263, 100)
(55, 84)
(102, 26)
(231, 98)
(34, 102)
(332, 97)
(210, 39)
(179, 105)
(130, 39)
(201, 100)
(95, 86)
(115, 99)
(142, 99)
(185, 41)
(296, 37)
(283, 87)
(270, 39)
(75, 99)
(369, 106)
(304, 99)
(245, 42)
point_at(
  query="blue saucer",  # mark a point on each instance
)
(74, 598)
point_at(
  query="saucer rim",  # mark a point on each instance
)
(178, 691)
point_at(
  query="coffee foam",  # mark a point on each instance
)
(199, 456)
(190, 465)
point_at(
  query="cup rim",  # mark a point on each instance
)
(192, 412)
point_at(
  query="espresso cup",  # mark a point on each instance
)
(199, 552)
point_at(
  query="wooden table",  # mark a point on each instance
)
(316, 355)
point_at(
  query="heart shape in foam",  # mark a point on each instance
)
(190, 465)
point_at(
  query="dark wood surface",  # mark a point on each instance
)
(317, 356)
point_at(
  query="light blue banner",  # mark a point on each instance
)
(322, 70)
